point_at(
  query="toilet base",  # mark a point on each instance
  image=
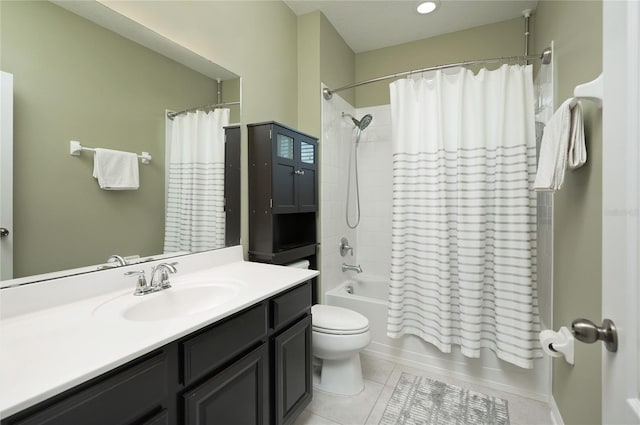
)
(341, 376)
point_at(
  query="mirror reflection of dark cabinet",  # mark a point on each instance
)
(232, 185)
(283, 193)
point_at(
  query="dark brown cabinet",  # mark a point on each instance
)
(138, 389)
(292, 365)
(283, 162)
(283, 193)
(232, 185)
(253, 367)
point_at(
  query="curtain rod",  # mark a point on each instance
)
(545, 57)
(172, 115)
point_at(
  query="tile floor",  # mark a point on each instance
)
(381, 377)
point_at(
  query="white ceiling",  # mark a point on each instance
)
(372, 24)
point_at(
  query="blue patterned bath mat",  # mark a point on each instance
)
(418, 400)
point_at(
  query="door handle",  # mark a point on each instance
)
(4, 232)
(586, 331)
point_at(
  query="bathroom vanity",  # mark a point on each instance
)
(244, 361)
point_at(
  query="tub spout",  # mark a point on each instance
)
(346, 267)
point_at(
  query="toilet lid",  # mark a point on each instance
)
(337, 320)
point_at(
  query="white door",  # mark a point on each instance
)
(621, 214)
(6, 175)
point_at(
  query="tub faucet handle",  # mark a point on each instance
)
(345, 247)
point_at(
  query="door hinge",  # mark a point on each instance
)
(225, 138)
(270, 136)
(271, 203)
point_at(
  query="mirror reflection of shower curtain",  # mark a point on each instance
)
(195, 182)
(463, 266)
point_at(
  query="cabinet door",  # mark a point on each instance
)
(121, 398)
(285, 168)
(292, 367)
(307, 183)
(236, 396)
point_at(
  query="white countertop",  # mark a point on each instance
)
(48, 351)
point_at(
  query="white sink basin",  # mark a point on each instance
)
(180, 300)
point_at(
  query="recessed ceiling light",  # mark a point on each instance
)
(425, 7)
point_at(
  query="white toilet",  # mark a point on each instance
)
(338, 336)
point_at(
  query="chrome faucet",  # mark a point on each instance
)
(164, 269)
(345, 248)
(348, 267)
(114, 260)
(159, 278)
(119, 259)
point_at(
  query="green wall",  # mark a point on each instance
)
(323, 57)
(309, 111)
(488, 41)
(576, 29)
(254, 39)
(74, 80)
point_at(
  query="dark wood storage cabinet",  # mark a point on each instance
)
(283, 193)
(232, 185)
(252, 368)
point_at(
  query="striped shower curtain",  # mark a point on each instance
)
(195, 217)
(463, 268)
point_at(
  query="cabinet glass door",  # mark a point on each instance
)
(285, 165)
(284, 146)
(307, 153)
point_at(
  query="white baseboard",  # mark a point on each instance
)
(556, 417)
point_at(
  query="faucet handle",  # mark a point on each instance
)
(141, 285)
(345, 247)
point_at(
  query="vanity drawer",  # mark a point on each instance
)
(121, 398)
(290, 305)
(222, 342)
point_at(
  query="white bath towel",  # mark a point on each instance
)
(116, 170)
(562, 144)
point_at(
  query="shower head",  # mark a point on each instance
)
(360, 124)
(364, 122)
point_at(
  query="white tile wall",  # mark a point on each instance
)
(373, 244)
(334, 155)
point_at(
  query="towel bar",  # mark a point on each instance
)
(75, 148)
(591, 91)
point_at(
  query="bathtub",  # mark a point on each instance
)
(368, 295)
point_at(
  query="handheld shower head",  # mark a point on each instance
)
(360, 124)
(364, 122)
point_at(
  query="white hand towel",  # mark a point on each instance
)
(116, 170)
(577, 146)
(562, 143)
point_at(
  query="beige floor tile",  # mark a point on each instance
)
(346, 410)
(375, 369)
(380, 406)
(523, 411)
(309, 418)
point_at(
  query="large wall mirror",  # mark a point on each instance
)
(79, 75)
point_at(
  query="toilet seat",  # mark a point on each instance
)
(333, 320)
